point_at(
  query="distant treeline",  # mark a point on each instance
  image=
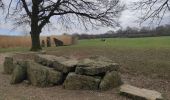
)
(131, 32)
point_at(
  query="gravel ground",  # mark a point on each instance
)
(25, 92)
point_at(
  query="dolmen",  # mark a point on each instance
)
(94, 73)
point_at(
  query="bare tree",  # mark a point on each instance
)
(153, 10)
(37, 13)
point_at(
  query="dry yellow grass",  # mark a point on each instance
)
(25, 41)
(14, 41)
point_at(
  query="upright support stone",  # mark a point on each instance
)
(43, 76)
(111, 80)
(48, 42)
(20, 72)
(78, 82)
(9, 65)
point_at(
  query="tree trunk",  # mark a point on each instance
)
(36, 46)
(35, 30)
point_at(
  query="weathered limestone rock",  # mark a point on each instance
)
(101, 58)
(48, 60)
(139, 93)
(20, 73)
(43, 76)
(61, 64)
(65, 66)
(42, 52)
(9, 65)
(110, 80)
(94, 67)
(77, 82)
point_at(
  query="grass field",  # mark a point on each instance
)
(145, 62)
(136, 43)
(147, 42)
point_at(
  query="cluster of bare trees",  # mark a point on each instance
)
(131, 32)
(38, 13)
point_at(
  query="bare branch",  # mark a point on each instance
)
(94, 12)
(1, 4)
(26, 8)
(153, 10)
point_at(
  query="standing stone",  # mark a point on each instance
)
(48, 42)
(110, 80)
(42, 43)
(43, 76)
(77, 82)
(58, 42)
(9, 65)
(20, 72)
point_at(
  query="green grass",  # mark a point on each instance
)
(147, 42)
(16, 49)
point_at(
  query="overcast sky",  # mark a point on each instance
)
(127, 18)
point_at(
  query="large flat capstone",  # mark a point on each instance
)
(95, 67)
(65, 66)
(77, 82)
(101, 58)
(47, 60)
(43, 76)
(61, 64)
(140, 93)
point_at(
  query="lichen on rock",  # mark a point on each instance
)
(78, 82)
(111, 80)
(9, 65)
(42, 76)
